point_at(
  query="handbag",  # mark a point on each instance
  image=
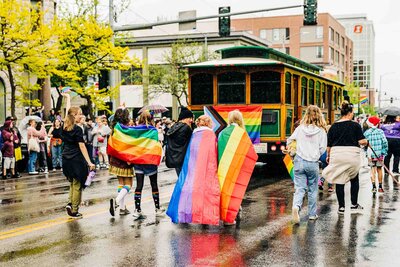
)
(56, 142)
(18, 154)
(100, 139)
(33, 144)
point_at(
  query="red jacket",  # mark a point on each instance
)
(8, 147)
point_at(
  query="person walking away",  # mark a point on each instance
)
(151, 170)
(178, 138)
(323, 164)
(56, 144)
(196, 196)
(89, 143)
(10, 138)
(42, 155)
(75, 159)
(311, 142)
(32, 133)
(391, 128)
(120, 168)
(236, 158)
(378, 143)
(344, 139)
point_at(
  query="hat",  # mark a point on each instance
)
(10, 118)
(373, 122)
(185, 113)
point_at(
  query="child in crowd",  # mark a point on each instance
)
(377, 150)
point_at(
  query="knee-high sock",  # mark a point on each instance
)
(138, 198)
(121, 195)
(156, 198)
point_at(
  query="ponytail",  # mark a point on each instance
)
(70, 118)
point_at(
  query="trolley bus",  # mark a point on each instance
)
(283, 85)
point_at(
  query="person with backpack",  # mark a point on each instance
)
(377, 151)
(178, 138)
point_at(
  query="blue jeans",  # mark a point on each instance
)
(306, 179)
(32, 161)
(56, 156)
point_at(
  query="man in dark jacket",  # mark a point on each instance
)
(178, 138)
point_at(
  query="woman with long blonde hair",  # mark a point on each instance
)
(311, 141)
(75, 158)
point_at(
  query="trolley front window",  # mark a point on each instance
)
(232, 88)
(201, 89)
(265, 87)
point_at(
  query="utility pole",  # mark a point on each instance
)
(113, 73)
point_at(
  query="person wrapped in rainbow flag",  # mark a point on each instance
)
(139, 146)
(196, 196)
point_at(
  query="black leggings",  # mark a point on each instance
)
(140, 182)
(355, 187)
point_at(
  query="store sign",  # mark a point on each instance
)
(358, 28)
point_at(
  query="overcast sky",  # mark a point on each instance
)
(384, 14)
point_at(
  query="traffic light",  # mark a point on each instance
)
(224, 23)
(310, 12)
(391, 100)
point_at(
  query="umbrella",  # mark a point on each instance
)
(156, 108)
(391, 111)
(23, 126)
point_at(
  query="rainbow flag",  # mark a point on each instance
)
(136, 144)
(289, 165)
(363, 100)
(196, 195)
(251, 115)
(237, 158)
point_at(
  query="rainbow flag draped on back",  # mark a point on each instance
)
(196, 195)
(135, 144)
(289, 165)
(251, 115)
(237, 158)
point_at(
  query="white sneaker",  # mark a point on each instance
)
(46, 171)
(33, 173)
(160, 212)
(137, 214)
(295, 215)
(54, 170)
(229, 224)
(313, 217)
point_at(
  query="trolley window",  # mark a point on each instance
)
(288, 88)
(323, 95)
(318, 94)
(304, 82)
(201, 89)
(232, 88)
(311, 88)
(265, 87)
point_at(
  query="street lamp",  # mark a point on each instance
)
(380, 88)
(205, 42)
(288, 37)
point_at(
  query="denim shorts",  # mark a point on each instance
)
(146, 169)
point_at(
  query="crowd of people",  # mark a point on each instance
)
(76, 146)
(340, 149)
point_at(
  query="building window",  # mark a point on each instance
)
(332, 54)
(304, 83)
(288, 88)
(331, 35)
(265, 87)
(337, 39)
(201, 89)
(232, 88)
(320, 51)
(287, 50)
(132, 76)
(319, 32)
(276, 34)
(337, 57)
(263, 34)
(342, 42)
(342, 61)
(287, 33)
(311, 89)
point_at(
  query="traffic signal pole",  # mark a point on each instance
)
(151, 25)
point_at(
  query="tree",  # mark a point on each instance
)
(353, 91)
(26, 46)
(86, 49)
(172, 78)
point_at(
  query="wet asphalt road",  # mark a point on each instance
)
(34, 230)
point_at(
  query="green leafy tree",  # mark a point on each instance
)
(26, 46)
(86, 49)
(353, 91)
